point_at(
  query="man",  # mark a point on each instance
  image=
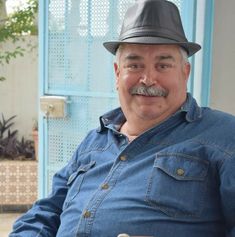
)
(158, 166)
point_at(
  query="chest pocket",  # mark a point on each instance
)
(177, 185)
(75, 181)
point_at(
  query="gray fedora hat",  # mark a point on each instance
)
(153, 22)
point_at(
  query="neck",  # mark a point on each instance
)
(131, 132)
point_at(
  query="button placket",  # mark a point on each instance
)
(86, 214)
(105, 186)
(123, 158)
(103, 190)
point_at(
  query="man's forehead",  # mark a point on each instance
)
(138, 52)
(158, 50)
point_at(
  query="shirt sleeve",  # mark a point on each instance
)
(43, 219)
(227, 191)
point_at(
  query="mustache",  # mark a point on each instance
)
(148, 91)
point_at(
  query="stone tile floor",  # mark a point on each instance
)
(6, 221)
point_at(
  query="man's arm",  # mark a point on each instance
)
(227, 189)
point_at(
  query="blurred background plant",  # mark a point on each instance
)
(22, 22)
(10, 146)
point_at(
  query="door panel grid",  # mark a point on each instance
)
(79, 67)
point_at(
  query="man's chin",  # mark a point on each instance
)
(149, 113)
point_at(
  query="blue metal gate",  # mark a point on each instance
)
(73, 63)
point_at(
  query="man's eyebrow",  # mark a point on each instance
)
(165, 57)
(133, 57)
(138, 57)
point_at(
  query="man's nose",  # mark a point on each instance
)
(148, 78)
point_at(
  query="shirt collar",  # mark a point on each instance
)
(191, 108)
(115, 118)
(112, 119)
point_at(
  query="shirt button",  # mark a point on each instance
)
(123, 158)
(86, 214)
(105, 186)
(180, 172)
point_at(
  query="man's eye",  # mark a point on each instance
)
(164, 67)
(134, 67)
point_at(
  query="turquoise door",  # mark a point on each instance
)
(74, 64)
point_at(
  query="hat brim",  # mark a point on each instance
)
(190, 47)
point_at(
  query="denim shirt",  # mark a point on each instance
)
(176, 179)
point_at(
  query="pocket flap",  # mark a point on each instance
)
(82, 169)
(181, 166)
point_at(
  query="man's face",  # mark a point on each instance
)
(159, 67)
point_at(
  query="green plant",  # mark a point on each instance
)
(25, 149)
(20, 23)
(5, 125)
(7, 142)
(10, 146)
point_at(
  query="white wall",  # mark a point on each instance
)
(223, 71)
(19, 92)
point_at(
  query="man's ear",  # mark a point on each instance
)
(117, 73)
(187, 69)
